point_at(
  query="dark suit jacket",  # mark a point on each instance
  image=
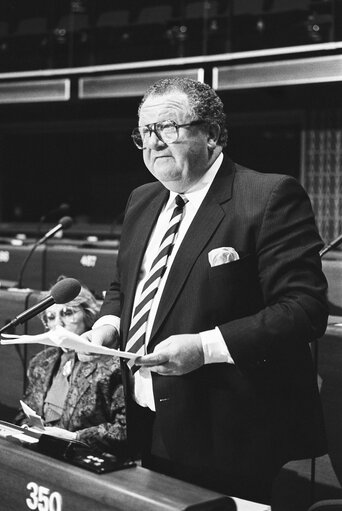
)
(94, 405)
(250, 417)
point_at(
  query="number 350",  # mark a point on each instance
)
(41, 498)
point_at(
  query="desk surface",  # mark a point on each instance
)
(334, 326)
(30, 480)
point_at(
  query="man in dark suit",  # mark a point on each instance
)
(226, 392)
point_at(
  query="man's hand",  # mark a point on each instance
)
(179, 354)
(104, 335)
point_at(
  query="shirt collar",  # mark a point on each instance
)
(197, 192)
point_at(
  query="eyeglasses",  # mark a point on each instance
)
(67, 315)
(166, 131)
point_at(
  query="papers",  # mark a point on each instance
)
(35, 420)
(62, 338)
(24, 435)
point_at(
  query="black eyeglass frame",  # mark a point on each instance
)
(153, 128)
(66, 312)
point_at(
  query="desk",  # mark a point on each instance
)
(14, 359)
(334, 327)
(11, 260)
(93, 266)
(29, 480)
(329, 349)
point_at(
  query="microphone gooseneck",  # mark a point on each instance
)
(64, 223)
(331, 245)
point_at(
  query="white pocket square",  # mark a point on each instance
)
(222, 255)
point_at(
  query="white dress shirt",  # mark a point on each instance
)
(214, 347)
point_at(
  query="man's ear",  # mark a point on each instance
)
(214, 132)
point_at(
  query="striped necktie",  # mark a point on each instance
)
(137, 331)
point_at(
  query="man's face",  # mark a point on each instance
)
(180, 164)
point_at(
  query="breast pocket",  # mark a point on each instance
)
(233, 271)
(234, 287)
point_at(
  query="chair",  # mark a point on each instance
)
(149, 32)
(31, 26)
(29, 43)
(208, 27)
(204, 9)
(70, 40)
(113, 19)
(112, 35)
(4, 45)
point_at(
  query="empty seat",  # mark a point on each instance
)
(3, 29)
(4, 45)
(155, 14)
(149, 32)
(71, 40)
(31, 26)
(29, 44)
(72, 23)
(112, 36)
(205, 9)
(119, 18)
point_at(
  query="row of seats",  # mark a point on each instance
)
(85, 37)
(92, 264)
(153, 31)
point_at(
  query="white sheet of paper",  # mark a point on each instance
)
(62, 338)
(35, 419)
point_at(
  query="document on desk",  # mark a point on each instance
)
(62, 338)
(35, 420)
(24, 435)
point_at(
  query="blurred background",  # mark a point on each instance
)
(72, 74)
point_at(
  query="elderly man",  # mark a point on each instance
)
(218, 290)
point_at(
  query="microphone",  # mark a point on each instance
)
(331, 245)
(63, 292)
(64, 223)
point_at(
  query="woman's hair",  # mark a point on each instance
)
(205, 105)
(86, 301)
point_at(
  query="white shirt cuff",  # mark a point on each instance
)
(108, 320)
(214, 347)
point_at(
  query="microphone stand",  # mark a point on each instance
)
(322, 252)
(331, 245)
(23, 266)
(64, 223)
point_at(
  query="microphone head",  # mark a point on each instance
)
(65, 290)
(66, 222)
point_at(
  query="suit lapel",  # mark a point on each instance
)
(205, 223)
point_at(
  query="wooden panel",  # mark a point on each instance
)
(129, 490)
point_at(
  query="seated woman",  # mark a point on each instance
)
(77, 400)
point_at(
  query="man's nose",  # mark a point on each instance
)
(153, 141)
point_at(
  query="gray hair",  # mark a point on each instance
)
(86, 301)
(204, 103)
